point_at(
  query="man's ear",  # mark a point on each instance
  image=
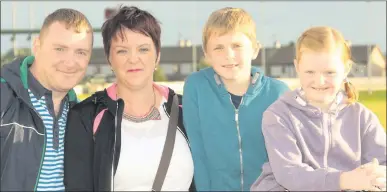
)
(36, 45)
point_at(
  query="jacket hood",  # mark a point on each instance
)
(15, 74)
(108, 97)
(296, 98)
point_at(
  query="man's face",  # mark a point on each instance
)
(62, 56)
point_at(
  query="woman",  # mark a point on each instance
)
(115, 138)
(318, 137)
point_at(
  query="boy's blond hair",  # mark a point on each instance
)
(227, 20)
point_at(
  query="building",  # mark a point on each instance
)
(177, 62)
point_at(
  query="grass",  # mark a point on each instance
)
(376, 102)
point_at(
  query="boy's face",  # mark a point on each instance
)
(230, 55)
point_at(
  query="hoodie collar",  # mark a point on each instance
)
(256, 81)
(112, 91)
(27, 76)
(337, 105)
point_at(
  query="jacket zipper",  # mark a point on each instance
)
(330, 135)
(326, 125)
(114, 148)
(239, 141)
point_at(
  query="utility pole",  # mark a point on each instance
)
(31, 26)
(194, 54)
(13, 27)
(263, 48)
(369, 64)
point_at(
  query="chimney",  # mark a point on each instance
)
(188, 43)
(181, 43)
(277, 44)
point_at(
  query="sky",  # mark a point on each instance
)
(360, 22)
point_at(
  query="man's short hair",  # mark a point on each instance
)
(70, 17)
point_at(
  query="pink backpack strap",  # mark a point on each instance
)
(97, 121)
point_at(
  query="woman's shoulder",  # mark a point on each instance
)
(89, 103)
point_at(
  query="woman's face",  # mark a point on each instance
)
(133, 58)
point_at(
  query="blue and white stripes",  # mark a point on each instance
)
(51, 172)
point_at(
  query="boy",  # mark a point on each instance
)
(223, 105)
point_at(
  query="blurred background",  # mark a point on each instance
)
(279, 24)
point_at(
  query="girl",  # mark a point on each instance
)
(318, 137)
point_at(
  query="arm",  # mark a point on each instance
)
(373, 143)
(6, 97)
(286, 159)
(192, 125)
(78, 159)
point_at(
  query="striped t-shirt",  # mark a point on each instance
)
(51, 171)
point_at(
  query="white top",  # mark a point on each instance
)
(141, 148)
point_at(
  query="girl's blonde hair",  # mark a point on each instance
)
(323, 38)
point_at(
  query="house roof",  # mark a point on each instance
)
(285, 55)
(168, 55)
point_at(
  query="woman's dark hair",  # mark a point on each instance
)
(134, 19)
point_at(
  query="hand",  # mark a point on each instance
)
(369, 176)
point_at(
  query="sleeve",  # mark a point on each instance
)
(374, 141)
(286, 159)
(6, 97)
(192, 125)
(78, 160)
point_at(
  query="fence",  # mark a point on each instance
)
(361, 84)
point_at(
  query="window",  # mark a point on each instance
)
(169, 69)
(186, 68)
(91, 69)
(276, 71)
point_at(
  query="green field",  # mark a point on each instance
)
(376, 102)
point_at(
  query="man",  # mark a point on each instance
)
(36, 94)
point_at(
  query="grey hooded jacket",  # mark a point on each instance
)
(22, 132)
(308, 149)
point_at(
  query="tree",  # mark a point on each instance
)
(202, 64)
(159, 75)
(291, 44)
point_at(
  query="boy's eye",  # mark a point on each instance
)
(218, 48)
(309, 72)
(59, 49)
(121, 51)
(144, 49)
